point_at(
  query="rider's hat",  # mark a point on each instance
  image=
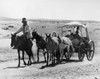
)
(23, 19)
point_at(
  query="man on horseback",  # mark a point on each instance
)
(26, 33)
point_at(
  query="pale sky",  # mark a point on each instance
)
(51, 9)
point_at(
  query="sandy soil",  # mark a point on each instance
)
(65, 70)
(72, 69)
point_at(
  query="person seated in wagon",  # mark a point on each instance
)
(77, 33)
(54, 34)
(54, 37)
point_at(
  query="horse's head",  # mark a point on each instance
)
(13, 39)
(34, 35)
(48, 37)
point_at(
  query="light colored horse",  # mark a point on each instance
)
(52, 46)
(66, 47)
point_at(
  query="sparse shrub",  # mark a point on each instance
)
(96, 29)
(10, 26)
(43, 26)
(5, 28)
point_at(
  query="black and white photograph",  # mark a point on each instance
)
(49, 39)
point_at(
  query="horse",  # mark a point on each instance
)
(52, 45)
(41, 44)
(21, 46)
(66, 47)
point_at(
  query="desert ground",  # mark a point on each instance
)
(72, 69)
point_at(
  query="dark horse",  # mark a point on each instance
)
(41, 44)
(21, 46)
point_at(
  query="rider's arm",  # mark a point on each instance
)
(19, 30)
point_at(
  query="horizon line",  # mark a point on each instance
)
(48, 19)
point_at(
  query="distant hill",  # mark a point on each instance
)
(62, 21)
(49, 20)
(7, 19)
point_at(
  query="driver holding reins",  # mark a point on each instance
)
(26, 32)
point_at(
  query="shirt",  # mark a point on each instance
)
(26, 30)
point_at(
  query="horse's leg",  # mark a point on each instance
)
(52, 58)
(55, 56)
(44, 55)
(29, 60)
(72, 48)
(68, 52)
(18, 57)
(28, 53)
(38, 55)
(47, 57)
(61, 53)
(23, 57)
(32, 55)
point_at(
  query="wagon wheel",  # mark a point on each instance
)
(81, 52)
(90, 52)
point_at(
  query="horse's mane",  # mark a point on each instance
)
(39, 37)
(41, 43)
(19, 38)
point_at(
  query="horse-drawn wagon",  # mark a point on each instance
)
(78, 34)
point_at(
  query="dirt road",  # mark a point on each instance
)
(65, 70)
(72, 69)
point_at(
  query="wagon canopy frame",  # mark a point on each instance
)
(72, 26)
